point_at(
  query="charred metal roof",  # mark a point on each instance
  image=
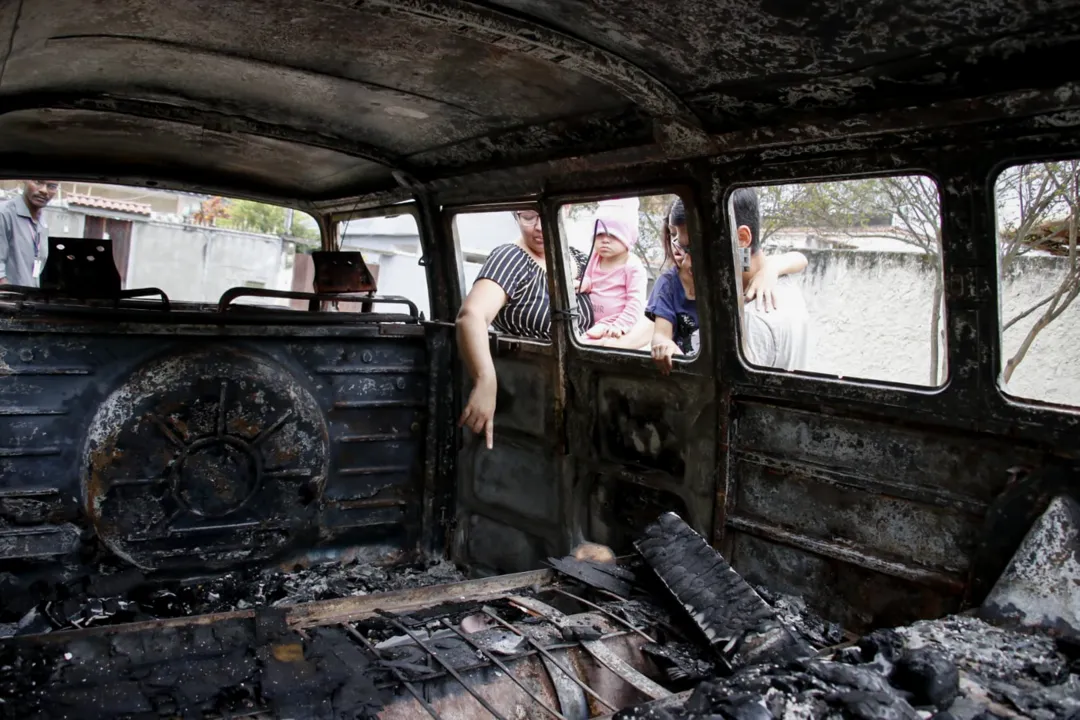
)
(315, 100)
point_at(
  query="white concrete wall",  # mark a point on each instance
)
(1050, 370)
(400, 274)
(198, 264)
(871, 315)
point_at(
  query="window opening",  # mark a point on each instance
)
(192, 246)
(391, 248)
(1038, 211)
(843, 278)
(506, 250)
(633, 267)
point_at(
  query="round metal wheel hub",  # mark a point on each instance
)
(205, 459)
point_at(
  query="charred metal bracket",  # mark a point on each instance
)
(677, 127)
(82, 269)
(342, 271)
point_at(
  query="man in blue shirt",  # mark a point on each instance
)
(24, 239)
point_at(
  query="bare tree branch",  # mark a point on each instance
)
(1028, 312)
(1068, 189)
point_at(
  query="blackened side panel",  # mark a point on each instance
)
(243, 447)
(508, 517)
(872, 522)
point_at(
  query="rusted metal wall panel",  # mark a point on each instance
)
(185, 449)
(937, 467)
(841, 591)
(859, 515)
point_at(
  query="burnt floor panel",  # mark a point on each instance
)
(470, 649)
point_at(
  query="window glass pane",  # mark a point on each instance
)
(869, 303)
(626, 269)
(1037, 217)
(192, 246)
(391, 248)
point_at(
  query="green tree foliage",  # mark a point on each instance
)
(269, 219)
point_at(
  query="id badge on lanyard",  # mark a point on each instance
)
(39, 263)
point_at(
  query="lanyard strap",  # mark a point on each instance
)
(37, 237)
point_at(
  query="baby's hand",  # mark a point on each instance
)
(597, 331)
(585, 285)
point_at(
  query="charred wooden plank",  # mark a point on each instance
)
(612, 578)
(736, 620)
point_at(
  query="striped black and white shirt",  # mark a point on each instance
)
(527, 312)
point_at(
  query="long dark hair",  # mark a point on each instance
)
(676, 215)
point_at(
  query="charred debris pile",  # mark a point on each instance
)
(121, 595)
(776, 663)
(672, 633)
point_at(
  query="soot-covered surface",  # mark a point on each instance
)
(733, 616)
(248, 93)
(957, 665)
(225, 668)
(123, 596)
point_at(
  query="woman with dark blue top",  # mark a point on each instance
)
(672, 305)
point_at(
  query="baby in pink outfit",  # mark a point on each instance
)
(615, 279)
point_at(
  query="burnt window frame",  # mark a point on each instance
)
(697, 364)
(905, 402)
(735, 289)
(195, 309)
(1035, 406)
(965, 171)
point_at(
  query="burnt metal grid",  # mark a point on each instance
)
(487, 658)
(413, 601)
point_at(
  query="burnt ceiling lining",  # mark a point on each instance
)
(202, 117)
(527, 36)
(507, 84)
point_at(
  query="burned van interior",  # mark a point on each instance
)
(233, 482)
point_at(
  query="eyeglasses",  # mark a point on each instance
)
(528, 218)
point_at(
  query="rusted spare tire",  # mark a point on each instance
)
(205, 459)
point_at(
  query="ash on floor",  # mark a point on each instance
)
(76, 605)
(956, 668)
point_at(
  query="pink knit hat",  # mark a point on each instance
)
(624, 232)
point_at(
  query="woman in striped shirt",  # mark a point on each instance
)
(511, 295)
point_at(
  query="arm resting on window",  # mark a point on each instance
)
(790, 263)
